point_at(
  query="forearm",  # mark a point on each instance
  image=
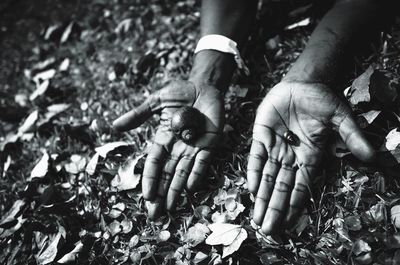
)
(342, 30)
(228, 18)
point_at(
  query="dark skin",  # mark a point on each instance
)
(279, 174)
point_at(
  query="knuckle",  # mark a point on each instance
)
(283, 186)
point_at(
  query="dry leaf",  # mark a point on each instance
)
(127, 226)
(52, 111)
(105, 149)
(229, 235)
(392, 140)
(199, 257)
(123, 26)
(126, 178)
(134, 241)
(301, 23)
(163, 236)
(91, 166)
(395, 215)
(117, 210)
(29, 123)
(359, 91)
(114, 227)
(67, 32)
(64, 65)
(40, 90)
(13, 212)
(360, 246)
(77, 164)
(72, 255)
(10, 231)
(377, 212)
(353, 222)
(371, 115)
(41, 168)
(43, 76)
(48, 254)
(195, 234)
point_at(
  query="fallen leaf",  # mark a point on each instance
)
(6, 165)
(370, 116)
(14, 211)
(50, 30)
(105, 149)
(40, 90)
(123, 26)
(134, 241)
(29, 123)
(229, 235)
(199, 257)
(91, 166)
(219, 217)
(353, 222)
(126, 178)
(377, 212)
(114, 227)
(72, 255)
(301, 23)
(392, 241)
(383, 88)
(52, 111)
(364, 259)
(6, 232)
(202, 211)
(392, 140)
(395, 215)
(41, 168)
(43, 76)
(77, 164)
(127, 226)
(195, 234)
(49, 253)
(359, 92)
(163, 236)
(64, 65)
(360, 246)
(117, 210)
(67, 32)
(235, 245)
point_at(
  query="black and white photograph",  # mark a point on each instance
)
(200, 132)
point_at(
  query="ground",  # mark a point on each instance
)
(70, 186)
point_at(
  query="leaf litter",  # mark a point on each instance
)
(77, 200)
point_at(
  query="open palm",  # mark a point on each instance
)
(279, 173)
(171, 164)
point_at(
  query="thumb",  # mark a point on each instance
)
(352, 135)
(137, 116)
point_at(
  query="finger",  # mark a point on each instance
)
(352, 135)
(137, 116)
(200, 167)
(300, 194)
(178, 183)
(266, 187)
(279, 200)
(257, 159)
(167, 174)
(152, 169)
(155, 208)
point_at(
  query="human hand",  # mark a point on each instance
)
(171, 164)
(280, 174)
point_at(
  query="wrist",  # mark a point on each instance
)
(213, 68)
